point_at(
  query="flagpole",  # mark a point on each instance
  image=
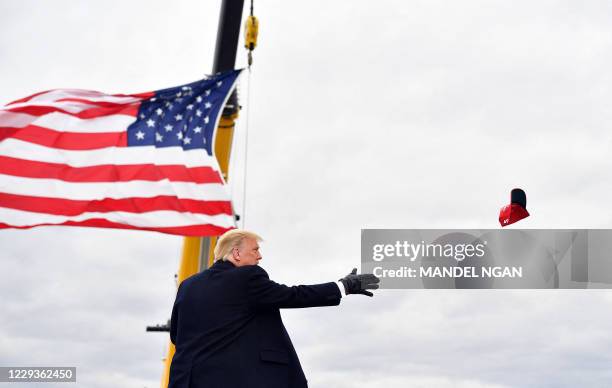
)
(197, 253)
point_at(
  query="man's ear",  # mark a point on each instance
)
(236, 253)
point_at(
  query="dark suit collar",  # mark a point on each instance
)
(223, 265)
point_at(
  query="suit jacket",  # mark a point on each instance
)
(228, 331)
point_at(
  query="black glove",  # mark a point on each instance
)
(358, 284)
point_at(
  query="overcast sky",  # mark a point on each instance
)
(388, 114)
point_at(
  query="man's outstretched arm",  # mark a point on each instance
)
(264, 292)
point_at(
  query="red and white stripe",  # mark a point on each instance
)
(64, 160)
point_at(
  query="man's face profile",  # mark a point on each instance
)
(247, 253)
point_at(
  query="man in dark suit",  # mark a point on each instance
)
(226, 323)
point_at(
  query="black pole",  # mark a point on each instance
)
(225, 59)
(228, 32)
(230, 19)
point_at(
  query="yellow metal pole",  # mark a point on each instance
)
(190, 258)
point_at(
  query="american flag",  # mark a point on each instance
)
(131, 161)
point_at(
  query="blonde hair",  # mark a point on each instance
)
(230, 240)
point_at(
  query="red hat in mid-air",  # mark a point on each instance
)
(516, 210)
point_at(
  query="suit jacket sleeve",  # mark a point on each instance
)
(263, 292)
(174, 318)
